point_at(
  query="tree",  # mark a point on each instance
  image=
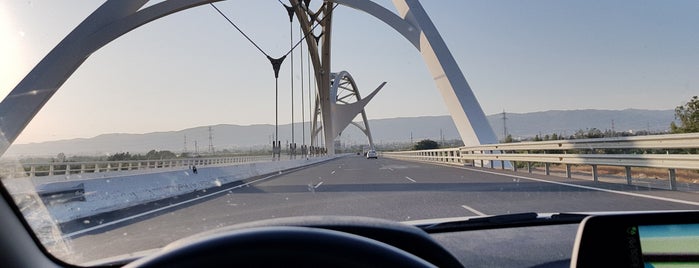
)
(61, 157)
(165, 154)
(509, 139)
(688, 115)
(594, 133)
(426, 145)
(153, 154)
(120, 157)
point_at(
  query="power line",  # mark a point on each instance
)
(211, 141)
(185, 145)
(504, 123)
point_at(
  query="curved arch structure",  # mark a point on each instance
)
(117, 17)
(111, 20)
(347, 104)
(413, 23)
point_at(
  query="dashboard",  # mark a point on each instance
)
(605, 240)
(533, 246)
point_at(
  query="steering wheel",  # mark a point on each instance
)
(282, 246)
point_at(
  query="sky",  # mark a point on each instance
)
(193, 69)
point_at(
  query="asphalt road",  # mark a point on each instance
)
(382, 188)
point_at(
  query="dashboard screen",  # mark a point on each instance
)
(665, 239)
(670, 245)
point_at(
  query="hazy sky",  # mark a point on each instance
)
(192, 68)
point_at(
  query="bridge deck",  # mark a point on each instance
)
(383, 188)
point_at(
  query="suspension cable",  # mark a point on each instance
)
(310, 31)
(239, 30)
(258, 47)
(290, 11)
(277, 62)
(310, 103)
(303, 107)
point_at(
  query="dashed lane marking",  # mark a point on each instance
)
(318, 185)
(474, 210)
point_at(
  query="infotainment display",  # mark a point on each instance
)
(664, 239)
(669, 245)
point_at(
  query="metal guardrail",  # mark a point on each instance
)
(675, 161)
(449, 155)
(540, 152)
(669, 141)
(67, 168)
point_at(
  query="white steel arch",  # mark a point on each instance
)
(111, 20)
(347, 104)
(117, 17)
(413, 23)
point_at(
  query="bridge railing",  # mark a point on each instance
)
(658, 151)
(448, 155)
(68, 168)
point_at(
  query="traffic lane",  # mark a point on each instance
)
(618, 185)
(373, 188)
(480, 193)
(495, 192)
(269, 199)
(369, 193)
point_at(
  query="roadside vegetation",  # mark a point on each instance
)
(688, 116)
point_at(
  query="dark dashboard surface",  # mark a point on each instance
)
(536, 246)
(521, 246)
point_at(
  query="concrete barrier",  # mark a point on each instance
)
(104, 194)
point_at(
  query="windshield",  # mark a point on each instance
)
(128, 126)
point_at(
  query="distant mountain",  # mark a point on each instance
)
(383, 130)
(568, 122)
(519, 124)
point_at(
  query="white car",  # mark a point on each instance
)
(372, 154)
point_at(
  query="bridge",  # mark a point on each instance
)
(390, 188)
(411, 186)
(332, 112)
(481, 178)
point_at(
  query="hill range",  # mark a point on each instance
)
(391, 130)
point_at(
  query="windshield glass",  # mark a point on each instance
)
(127, 126)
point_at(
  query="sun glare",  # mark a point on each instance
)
(10, 51)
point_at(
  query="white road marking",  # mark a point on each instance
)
(474, 210)
(162, 208)
(588, 187)
(410, 179)
(390, 169)
(318, 185)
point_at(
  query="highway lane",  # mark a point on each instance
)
(383, 188)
